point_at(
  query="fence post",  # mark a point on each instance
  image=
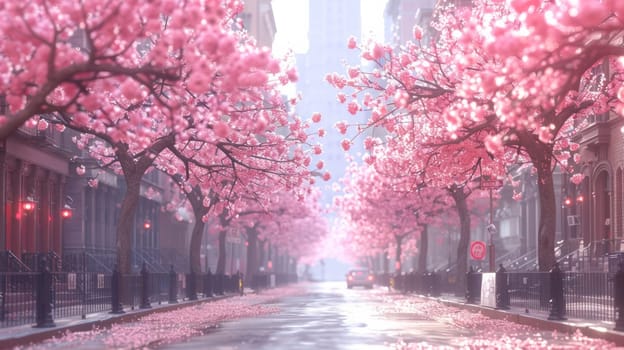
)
(470, 286)
(145, 290)
(116, 292)
(173, 286)
(557, 302)
(435, 284)
(44, 296)
(208, 284)
(502, 289)
(618, 298)
(191, 291)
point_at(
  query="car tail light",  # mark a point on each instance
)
(350, 278)
(370, 277)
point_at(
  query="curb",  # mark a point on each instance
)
(550, 325)
(41, 334)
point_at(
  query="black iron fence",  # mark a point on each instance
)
(40, 297)
(582, 295)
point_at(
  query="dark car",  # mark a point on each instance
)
(360, 277)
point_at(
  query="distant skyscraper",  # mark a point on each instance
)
(331, 24)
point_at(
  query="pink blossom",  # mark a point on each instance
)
(577, 178)
(93, 183)
(221, 129)
(317, 149)
(321, 132)
(42, 125)
(292, 74)
(494, 144)
(80, 170)
(342, 127)
(346, 144)
(417, 32)
(316, 117)
(545, 135)
(574, 146)
(352, 42)
(353, 72)
(353, 107)
(320, 164)
(326, 176)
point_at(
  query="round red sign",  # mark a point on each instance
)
(477, 250)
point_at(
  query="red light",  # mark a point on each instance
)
(147, 224)
(269, 264)
(66, 213)
(580, 198)
(397, 265)
(370, 277)
(350, 278)
(568, 202)
(28, 206)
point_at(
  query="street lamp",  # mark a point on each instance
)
(66, 212)
(29, 204)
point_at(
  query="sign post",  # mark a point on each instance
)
(488, 182)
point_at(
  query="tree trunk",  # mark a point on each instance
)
(252, 254)
(125, 224)
(542, 160)
(397, 256)
(221, 259)
(386, 263)
(262, 254)
(424, 247)
(460, 198)
(195, 246)
(196, 199)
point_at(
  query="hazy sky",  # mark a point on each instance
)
(291, 17)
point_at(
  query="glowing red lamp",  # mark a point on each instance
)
(147, 224)
(568, 202)
(66, 212)
(29, 204)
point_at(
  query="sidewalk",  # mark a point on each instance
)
(538, 319)
(26, 334)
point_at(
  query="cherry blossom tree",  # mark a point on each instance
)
(215, 98)
(454, 95)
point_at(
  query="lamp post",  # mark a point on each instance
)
(490, 183)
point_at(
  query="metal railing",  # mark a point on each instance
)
(71, 294)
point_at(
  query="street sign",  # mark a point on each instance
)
(490, 183)
(477, 250)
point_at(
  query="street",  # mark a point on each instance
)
(321, 316)
(327, 316)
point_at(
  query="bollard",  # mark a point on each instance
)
(471, 294)
(502, 289)
(208, 284)
(557, 302)
(145, 302)
(618, 298)
(44, 296)
(173, 286)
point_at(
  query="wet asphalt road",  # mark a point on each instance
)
(326, 316)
